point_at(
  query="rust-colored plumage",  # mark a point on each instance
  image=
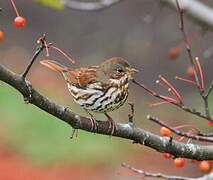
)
(100, 88)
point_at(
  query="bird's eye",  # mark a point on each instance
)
(120, 70)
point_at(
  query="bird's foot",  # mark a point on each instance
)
(112, 125)
(94, 124)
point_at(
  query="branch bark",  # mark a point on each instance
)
(126, 131)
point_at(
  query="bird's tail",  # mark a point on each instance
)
(55, 66)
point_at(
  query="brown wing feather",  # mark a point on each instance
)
(79, 77)
(82, 76)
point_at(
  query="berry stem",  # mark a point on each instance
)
(185, 80)
(200, 71)
(62, 52)
(173, 90)
(14, 7)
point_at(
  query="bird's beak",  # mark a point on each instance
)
(131, 72)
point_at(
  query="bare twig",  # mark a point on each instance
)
(200, 83)
(180, 133)
(209, 90)
(188, 48)
(41, 46)
(89, 6)
(154, 175)
(200, 152)
(181, 106)
(159, 175)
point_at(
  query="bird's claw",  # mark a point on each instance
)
(94, 124)
(112, 127)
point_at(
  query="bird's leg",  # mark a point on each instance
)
(94, 123)
(112, 124)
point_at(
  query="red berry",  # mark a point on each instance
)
(210, 123)
(190, 72)
(167, 155)
(19, 22)
(179, 162)
(205, 166)
(1, 35)
(174, 53)
(165, 131)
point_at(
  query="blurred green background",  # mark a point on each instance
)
(35, 145)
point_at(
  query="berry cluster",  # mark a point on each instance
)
(204, 166)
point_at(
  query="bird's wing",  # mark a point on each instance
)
(81, 77)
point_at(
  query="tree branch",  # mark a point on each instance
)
(181, 133)
(164, 176)
(161, 144)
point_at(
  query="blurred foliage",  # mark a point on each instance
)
(56, 4)
(40, 137)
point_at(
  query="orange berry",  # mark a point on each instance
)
(165, 131)
(190, 71)
(179, 162)
(167, 155)
(205, 166)
(173, 53)
(19, 22)
(1, 35)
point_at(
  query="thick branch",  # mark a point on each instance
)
(162, 144)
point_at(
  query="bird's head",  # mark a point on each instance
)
(116, 68)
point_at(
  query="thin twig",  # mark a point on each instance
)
(154, 175)
(39, 49)
(185, 39)
(183, 107)
(173, 90)
(200, 71)
(200, 83)
(178, 132)
(185, 80)
(209, 90)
